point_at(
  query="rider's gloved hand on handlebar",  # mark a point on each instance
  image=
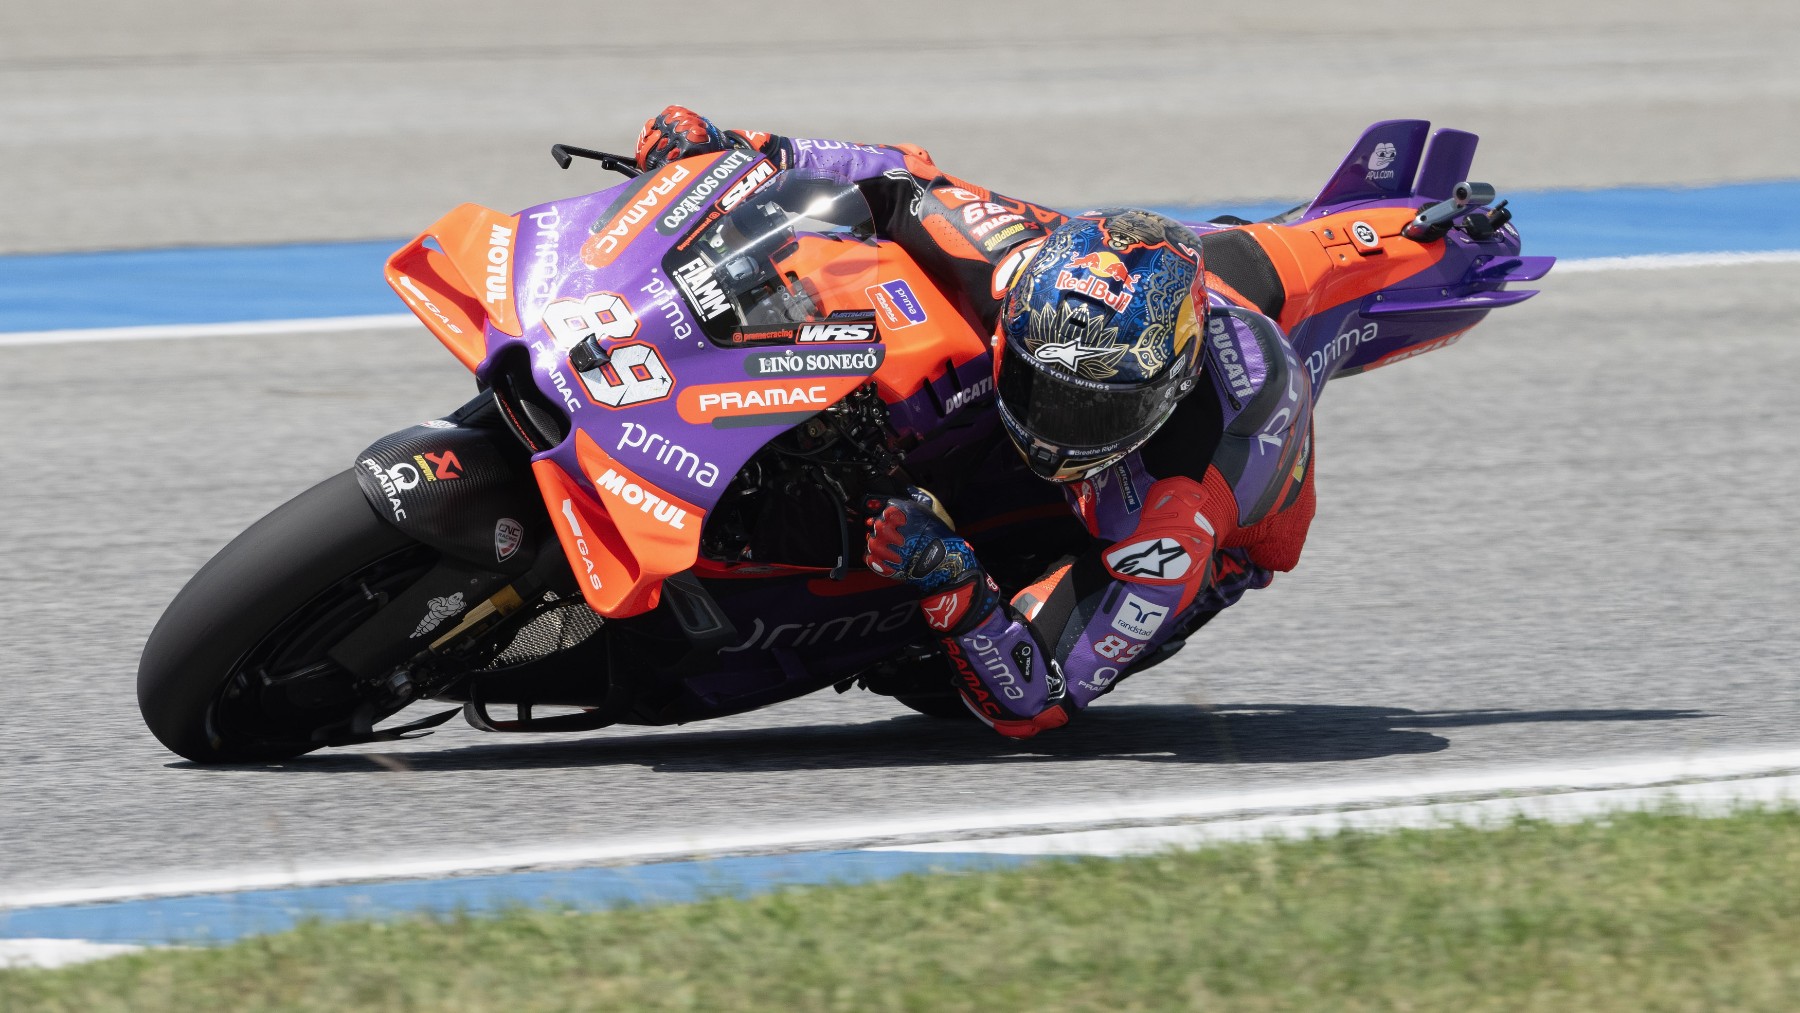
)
(909, 540)
(676, 133)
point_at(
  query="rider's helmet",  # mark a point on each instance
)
(1099, 339)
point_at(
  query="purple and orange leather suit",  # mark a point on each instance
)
(1211, 506)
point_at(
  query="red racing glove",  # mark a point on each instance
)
(909, 540)
(676, 133)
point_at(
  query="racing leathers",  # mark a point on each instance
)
(1216, 502)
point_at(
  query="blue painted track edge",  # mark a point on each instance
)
(300, 281)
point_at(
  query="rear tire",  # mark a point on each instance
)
(278, 597)
(920, 680)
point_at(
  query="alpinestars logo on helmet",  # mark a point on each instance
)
(1077, 339)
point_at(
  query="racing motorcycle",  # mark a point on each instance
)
(688, 382)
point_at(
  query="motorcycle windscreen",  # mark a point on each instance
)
(799, 250)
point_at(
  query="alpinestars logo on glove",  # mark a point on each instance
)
(942, 611)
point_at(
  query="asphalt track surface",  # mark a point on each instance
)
(1569, 537)
(126, 124)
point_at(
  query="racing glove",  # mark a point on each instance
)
(676, 133)
(910, 539)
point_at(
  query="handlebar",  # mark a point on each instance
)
(565, 154)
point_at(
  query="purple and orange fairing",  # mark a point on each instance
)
(594, 487)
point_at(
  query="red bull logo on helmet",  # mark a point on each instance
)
(1094, 274)
(1105, 265)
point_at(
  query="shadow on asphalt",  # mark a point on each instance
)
(1151, 733)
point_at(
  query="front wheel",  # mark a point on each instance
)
(237, 668)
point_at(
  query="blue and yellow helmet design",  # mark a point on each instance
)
(1099, 339)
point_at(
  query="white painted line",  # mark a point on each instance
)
(57, 952)
(940, 828)
(1665, 261)
(388, 321)
(239, 329)
(1712, 798)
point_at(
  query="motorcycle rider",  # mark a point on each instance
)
(1171, 411)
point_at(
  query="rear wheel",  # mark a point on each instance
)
(236, 669)
(919, 679)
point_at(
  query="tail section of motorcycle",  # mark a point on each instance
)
(1398, 255)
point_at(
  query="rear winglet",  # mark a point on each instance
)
(1475, 302)
(1447, 162)
(1381, 165)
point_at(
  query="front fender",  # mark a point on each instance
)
(455, 487)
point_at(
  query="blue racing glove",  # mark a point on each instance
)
(910, 539)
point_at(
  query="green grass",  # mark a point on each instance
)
(1644, 912)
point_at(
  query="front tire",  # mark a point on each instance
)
(236, 669)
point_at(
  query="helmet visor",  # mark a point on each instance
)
(1082, 418)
